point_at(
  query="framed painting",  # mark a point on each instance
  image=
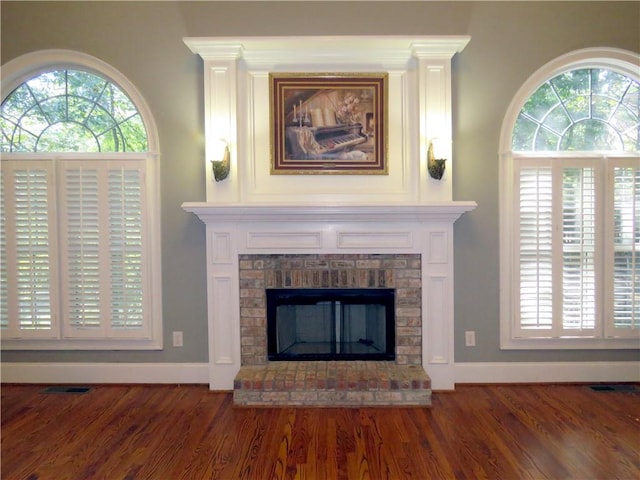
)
(325, 123)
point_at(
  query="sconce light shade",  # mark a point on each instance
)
(436, 166)
(221, 167)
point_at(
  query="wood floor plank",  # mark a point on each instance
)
(188, 432)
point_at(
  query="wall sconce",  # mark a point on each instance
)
(436, 166)
(220, 168)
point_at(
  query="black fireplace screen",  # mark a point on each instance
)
(331, 324)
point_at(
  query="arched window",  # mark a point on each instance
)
(570, 205)
(586, 109)
(71, 110)
(80, 266)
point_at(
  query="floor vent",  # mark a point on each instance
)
(62, 389)
(613, 388)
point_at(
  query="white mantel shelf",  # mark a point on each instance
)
(432, 212)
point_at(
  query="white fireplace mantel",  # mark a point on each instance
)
(431, 212)
(232, 230)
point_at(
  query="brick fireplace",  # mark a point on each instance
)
(401, 272)
(330, 383)
(335, 230)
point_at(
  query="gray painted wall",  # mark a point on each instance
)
(509, 42)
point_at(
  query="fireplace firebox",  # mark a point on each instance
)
(330, 324)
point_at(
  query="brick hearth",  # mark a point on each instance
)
(332, 384)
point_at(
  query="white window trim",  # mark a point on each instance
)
(622, 61)
(14, 73)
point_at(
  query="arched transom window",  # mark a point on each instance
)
(78, 211)
(581, 110)
(570, 206)
(71, 111)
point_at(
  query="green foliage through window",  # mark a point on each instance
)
(70, 111)
(590, 109)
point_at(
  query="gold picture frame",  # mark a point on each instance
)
(326, 123)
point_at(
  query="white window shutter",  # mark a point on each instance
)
(28, 269)
(623, 274)
(103, 257)
(81, 249)
(535, 258)
(126, 253)
(579, 251)
(566, 251)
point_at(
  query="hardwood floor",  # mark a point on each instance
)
(188, 432)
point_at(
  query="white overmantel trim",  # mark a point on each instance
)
(438, 212)
(388, 50)
(237, 110)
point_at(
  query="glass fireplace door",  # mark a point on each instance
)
(331, 324)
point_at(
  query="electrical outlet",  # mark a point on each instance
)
(177, 339)
(470, 338)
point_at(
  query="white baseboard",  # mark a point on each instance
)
(547, 372)
(93, 373)
(198, 373)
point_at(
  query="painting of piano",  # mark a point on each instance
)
(327, 123)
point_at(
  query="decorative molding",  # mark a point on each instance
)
(280, 240)
(267, 52)
(364, 240)
(222, 290)
(93, 373)
(198, 373)
(438, 251)
(430, 212)
(220, 247)
(437, 306)
(547, 372)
